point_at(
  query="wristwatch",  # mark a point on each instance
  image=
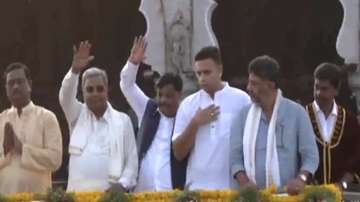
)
(303, 177)
(344, 185)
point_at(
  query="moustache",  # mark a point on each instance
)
(163, 104)
(16, 92)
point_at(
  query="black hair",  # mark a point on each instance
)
(329, 72)
(209, 52)
(17, 65)
(170, 79)
(265, 67)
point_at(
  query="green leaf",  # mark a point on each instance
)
(57, 195)
(187, 196)
(250, 194)
(113, 196)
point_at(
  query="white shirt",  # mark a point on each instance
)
(155, 170)
(208, 165)
(89, 171)
(326, 124)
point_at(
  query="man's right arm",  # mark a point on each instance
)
(236, 151)
(185, 130)
(4, 159)
(67, 97)
(135, 97)
(133, 94)
(183, 144)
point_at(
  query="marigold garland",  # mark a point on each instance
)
(206, 196)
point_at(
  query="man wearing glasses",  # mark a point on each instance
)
(102, 144)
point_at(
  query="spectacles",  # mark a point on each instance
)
(91, 89)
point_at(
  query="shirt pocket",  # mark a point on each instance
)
(281, 142)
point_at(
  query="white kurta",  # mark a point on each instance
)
(155, 170)
(89, 171)
(209, 161)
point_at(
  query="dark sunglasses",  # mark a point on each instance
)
(91, 89)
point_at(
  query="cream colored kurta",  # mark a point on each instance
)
(38, 129)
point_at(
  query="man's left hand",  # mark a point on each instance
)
(17, 147)
(295, 186)
(117, 187)
(11, 142)
(8, 143)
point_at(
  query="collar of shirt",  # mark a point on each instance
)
(25, 110)
(105, 117)
(219, 92)
(164, 116)
(334, 110)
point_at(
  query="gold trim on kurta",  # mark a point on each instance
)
(337, 133)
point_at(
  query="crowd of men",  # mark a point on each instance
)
(219, 137)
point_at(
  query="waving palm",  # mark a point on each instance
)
(137, 54)
(81, 56)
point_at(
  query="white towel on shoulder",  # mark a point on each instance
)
(82, 130)
(249, 141)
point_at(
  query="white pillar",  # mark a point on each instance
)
(348, 43)
(176, 31)
(348, 39)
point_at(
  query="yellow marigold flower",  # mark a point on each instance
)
(206, 196)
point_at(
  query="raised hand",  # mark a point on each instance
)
(81, 57)
(137, 54)
(207, 115)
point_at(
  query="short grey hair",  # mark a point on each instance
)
(92, 72)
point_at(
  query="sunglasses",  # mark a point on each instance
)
(91, 89)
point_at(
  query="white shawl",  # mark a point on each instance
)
(249, 141)
(82, 130)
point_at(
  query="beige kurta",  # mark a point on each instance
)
(39, 131)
